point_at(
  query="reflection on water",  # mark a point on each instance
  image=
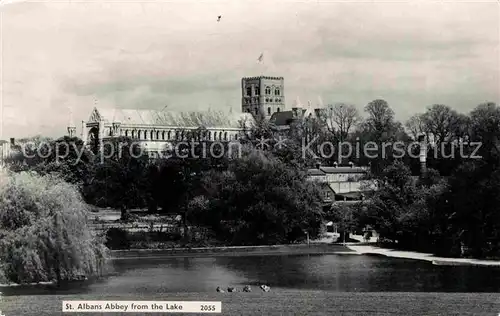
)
(149, 277)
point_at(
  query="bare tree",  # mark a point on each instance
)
(443, 123)
(415, 125)
(340, 119)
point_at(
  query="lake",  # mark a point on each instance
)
(298, 276)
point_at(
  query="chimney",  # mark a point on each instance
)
(12, 141)
(423, 155)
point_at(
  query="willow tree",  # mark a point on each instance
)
(44, 234)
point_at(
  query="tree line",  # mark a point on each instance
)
(263, 196)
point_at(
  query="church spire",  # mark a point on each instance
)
(320, 102)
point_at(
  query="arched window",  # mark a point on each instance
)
(249, 91)
(163, 135)
(268, 90)
(139, 134)
(225, 135)
(220, 135)
(152, 134)
(158, 135)
(278, 109)
(177, 135)
(236, 136)
(126, 133)
(209, 135)
(169, 134)
(269, 111)
(145, 134)
(133, 134)
(277, 91)
(257, 90)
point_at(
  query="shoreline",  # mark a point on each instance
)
(282, 250)
(435, 260)
(207, 252)
(300, 249)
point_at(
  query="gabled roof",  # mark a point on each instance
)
(171, 118)
(327, 186)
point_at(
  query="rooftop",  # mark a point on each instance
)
(353, 169)
(315, 172)
(171, 118)
(284, 117)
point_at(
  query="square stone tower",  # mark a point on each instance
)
(263, 94)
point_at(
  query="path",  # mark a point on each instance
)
(366, 249)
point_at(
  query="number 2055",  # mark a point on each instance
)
(208, 308)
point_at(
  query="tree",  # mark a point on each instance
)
(120, 179)
(380, 119)
(260, 200)
(340, 119)
(470, 209)
(442, 122)
(485, 128)
(66, 156)
(345, 217)
(44, 233)
(380, 128)
(415, 125)
(397, 209)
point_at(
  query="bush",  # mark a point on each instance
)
(117, 238)
(45, 233)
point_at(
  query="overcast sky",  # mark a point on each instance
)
(175, 53)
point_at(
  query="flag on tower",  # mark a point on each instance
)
(261, 58)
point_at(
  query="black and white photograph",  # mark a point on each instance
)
(249, 157)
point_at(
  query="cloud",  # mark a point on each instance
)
(148, 55)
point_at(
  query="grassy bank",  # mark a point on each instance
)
(232, 251)
(289, 302)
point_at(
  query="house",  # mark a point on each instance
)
(346, 183)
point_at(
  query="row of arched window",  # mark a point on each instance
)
(268, 91)
(179, 135)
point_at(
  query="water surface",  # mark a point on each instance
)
(151, 279)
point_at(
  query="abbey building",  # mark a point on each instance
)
(262, 95)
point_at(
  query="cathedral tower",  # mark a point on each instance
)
(262, 95)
